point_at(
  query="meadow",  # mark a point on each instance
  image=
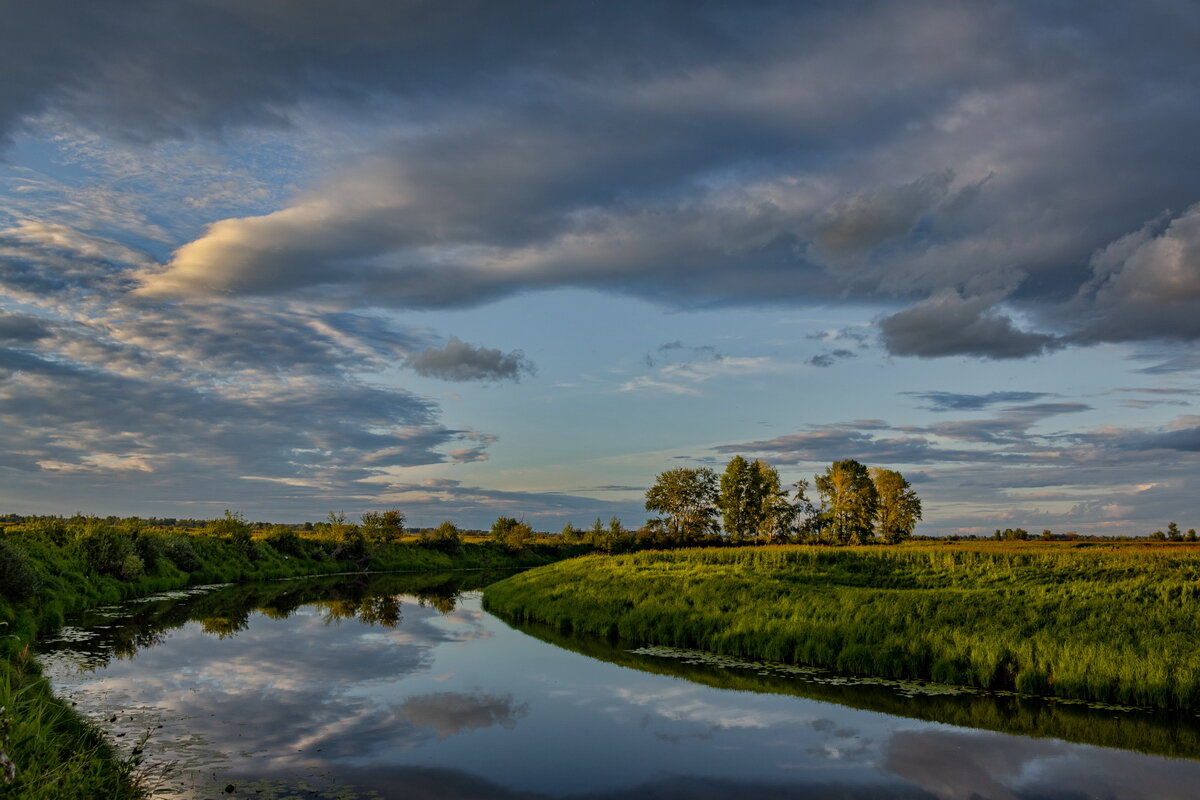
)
(1114, 623)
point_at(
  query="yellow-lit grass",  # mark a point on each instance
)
(1111, 623)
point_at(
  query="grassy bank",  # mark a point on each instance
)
(1111, 623)
(1155, 731)
(48, 573)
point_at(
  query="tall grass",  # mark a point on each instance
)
(1157, 731)
(1111, 623)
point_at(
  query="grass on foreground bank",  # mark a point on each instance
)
(48, 572)
(1110, 623)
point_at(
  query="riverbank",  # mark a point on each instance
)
(1106, 623)
(46, 575)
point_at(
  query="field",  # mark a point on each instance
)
(1114, 623)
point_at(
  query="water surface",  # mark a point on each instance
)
(405, 688)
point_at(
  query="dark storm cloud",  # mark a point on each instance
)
(459, 361)
(949, 324)
(961, 155)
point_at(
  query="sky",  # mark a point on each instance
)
(472, 259)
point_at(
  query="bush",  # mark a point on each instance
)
(445, 538)
(109, 551)
(149, 548)
(179, 549)
(52, 529)
(18, 581)
(285, 540)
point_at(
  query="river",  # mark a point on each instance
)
(404, 687)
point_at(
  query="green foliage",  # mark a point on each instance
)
(180, 551)
(898, 508)
(54, 529)
(849, 502)
(232, 526)
(446, 538)
(109, 551)
(383, 527)
(572, 535)
(514, 534)
(1105, 623)
(149, 548)
(687, 500)
(18, 581)
(752, 503)
(284, 540)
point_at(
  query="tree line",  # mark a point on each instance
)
(747, 503)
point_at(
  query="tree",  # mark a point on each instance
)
(803, 517)
(571, 535)
(380, 528)
(687, 499)
(513, 533)
(898, 509)
(347, 537)
(445, 537)
(233, 526)
(849, 502)
(737, 500)
(1173, 532)
(751, 501)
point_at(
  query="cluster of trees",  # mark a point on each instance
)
(1173, 534)
(747, 503)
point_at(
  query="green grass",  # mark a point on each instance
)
(1115, 624)
(46, 575)
(1159, 732)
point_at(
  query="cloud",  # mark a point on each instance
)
(1146, 284)
(828, 359)
(459, 361)
(433, 500)
(715, 171)
(952, 401)
(21, 328)
(868, 219)
(949, 324)
(452, 713)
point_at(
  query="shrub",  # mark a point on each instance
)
(445, 537)
(285, 540)
(179, 549)
(18, 581)
(149, 548)
(51, 528)
(109, 551)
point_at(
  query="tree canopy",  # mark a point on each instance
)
(687, 500)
